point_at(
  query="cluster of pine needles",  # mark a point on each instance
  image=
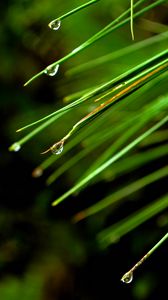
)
(126, 128)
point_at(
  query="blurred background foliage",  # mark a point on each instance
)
(43, 254)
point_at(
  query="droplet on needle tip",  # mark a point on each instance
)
(57, 148)
(127, 277)
(15, 147)
(55, 24)
(51, 70)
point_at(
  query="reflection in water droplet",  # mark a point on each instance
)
(37, 172)
(57, 148)
(55, 24)
(51, 70)
(16, 147)
(127, 277)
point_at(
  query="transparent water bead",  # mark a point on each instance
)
(51, 70)
(15, 147)
(57, 148)
(55, 24)
(127, 277)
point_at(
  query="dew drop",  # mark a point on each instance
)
(51, 70)
(57, 148)
(55, 24)
(127, 277)
(15, 147)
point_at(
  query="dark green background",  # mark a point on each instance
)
(43, 255)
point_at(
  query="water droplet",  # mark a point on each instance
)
(51, 70)
(55, 24)
(127, 277)
(37, 172)
(57, 148)
(15, 147)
